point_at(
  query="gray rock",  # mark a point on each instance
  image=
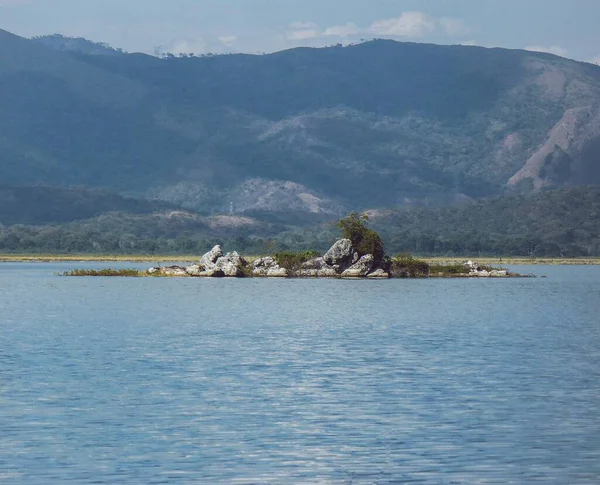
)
(378, 274)
(353, 273)
(471, 266)
(341, 254)
(212, 273)
(499, 273)
(194, 270)
(232, 265)
(266, 262)
(361, 268)
(480, 274)
(173, 271)
(209, 260)
(261, 266)
(316, 263)
(324, 272)
(277, 272)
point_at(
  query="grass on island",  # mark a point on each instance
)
(129, 273)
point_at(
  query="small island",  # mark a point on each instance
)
(358, 254)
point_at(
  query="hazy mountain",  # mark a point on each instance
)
(77, 44)
(378, 124)
(47, 205)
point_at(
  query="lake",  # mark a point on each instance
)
(256, 381)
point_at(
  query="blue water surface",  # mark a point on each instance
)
(256, 381)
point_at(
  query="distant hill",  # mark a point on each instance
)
(321, 131)
(52, 205)
(551, 223)
(77, 44)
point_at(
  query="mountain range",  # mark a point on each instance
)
(304, 133)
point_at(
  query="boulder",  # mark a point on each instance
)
(341, 254)
(210, 259)
(315, 264)
(212, 273)
(324, 272)
(361, 268)
(480, 274)
(194, 270)
(154, 270)
(379, 273)
(471, 266)
(262, 267)
(499, 273)
(173, 271)
(277, 272)
(232, 265)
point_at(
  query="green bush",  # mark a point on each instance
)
(364, 240)
(404, 265)
(293, 261)
(104, 272)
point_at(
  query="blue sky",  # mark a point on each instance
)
(565, 27)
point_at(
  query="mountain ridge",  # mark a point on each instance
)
(324, 130)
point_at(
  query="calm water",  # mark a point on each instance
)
(271, 381)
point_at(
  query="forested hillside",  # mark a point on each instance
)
(379, 124)
(556, 223)
(452, 149)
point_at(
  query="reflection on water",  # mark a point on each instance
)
(296, 381)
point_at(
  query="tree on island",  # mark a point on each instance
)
(364, 239)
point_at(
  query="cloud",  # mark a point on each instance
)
(228, 40)
(345, 30)
(407, 24)
(303, 30)
(552, 49)
(454, 27)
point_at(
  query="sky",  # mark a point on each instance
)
(565, 27)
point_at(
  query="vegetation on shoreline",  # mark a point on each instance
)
(552, 225)
(129, 273)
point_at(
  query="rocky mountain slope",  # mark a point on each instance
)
(313, 131)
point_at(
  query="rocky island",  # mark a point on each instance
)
(359, 254)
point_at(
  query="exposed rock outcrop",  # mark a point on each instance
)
(341, 254)
(173, 271)
(378, 274)
(209, 260)
(267, 266)
(232, 265)
(361, 268)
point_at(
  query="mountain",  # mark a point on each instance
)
(77, 44)
(551, 223)
(50, 205)
(313, 131)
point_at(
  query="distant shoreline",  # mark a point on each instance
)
(127, 258)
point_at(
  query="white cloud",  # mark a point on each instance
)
(454, 27)
(304, 34)
(409, 24)
(303, 30)
(347, 29)
(228, 40)
(552, 49)
(304, 26)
